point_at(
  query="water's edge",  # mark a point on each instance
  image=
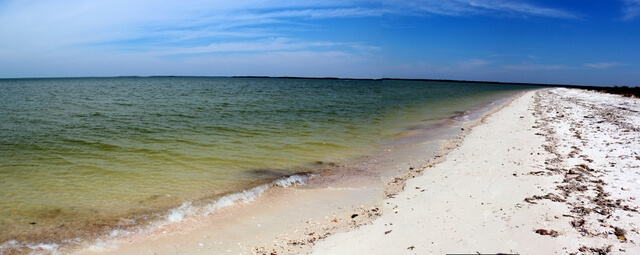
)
(431, 137)
(451, 136)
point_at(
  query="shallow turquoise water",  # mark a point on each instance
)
(100, 149)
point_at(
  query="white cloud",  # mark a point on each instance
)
(266, 45)
(478, 7)
(473, 63)
(603, 65)
(190, 37)
(631, 10)
(320, 13)
(531, 67)
(63, 30)
(512, 56)
(49, 25)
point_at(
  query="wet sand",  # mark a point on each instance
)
(282, 219)
(555, 172)
(290, 220)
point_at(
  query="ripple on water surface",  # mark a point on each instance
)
(80, 157)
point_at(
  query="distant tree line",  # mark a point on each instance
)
(619, 90)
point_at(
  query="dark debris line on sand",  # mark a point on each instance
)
(603, 137)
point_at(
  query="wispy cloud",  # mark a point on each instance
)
(631, 9)
(512, 56)
(531, 67)
(122, 36)
(481, 7)
(473, 63)
(603, 65)
(541, 67)
(49, 25)
(321, 13)
(268, 45)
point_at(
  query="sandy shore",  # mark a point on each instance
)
(556, 172)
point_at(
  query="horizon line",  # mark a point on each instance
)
(320, 78)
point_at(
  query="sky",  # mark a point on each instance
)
(582, 42)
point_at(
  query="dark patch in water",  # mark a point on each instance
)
(322, 163)
(50, 213)
(459, 113)
(267, 173)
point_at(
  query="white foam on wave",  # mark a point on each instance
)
(46, 247)
(35, 248)
(174, 215)
(247, 196)
(102, 245)
(11, 244)
(119, 232)
(188, 210)
(293, 180)
(108, 243)
(177, 214)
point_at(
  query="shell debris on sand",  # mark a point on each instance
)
(571, 186)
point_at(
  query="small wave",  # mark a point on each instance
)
(174, 215)
(34, 248)
(101, 245)
(177, 214)
(187, 209)
(293, 180)
(46, 247)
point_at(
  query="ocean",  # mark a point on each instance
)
(81, 158)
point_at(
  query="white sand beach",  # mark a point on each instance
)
(556, 172)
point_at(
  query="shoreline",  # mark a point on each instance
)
(358, 183)
(281, 226)
(555, 172)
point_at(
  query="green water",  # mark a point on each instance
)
(100, 149)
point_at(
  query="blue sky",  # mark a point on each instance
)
(593, 42)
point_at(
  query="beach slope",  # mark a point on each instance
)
(555, 172)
